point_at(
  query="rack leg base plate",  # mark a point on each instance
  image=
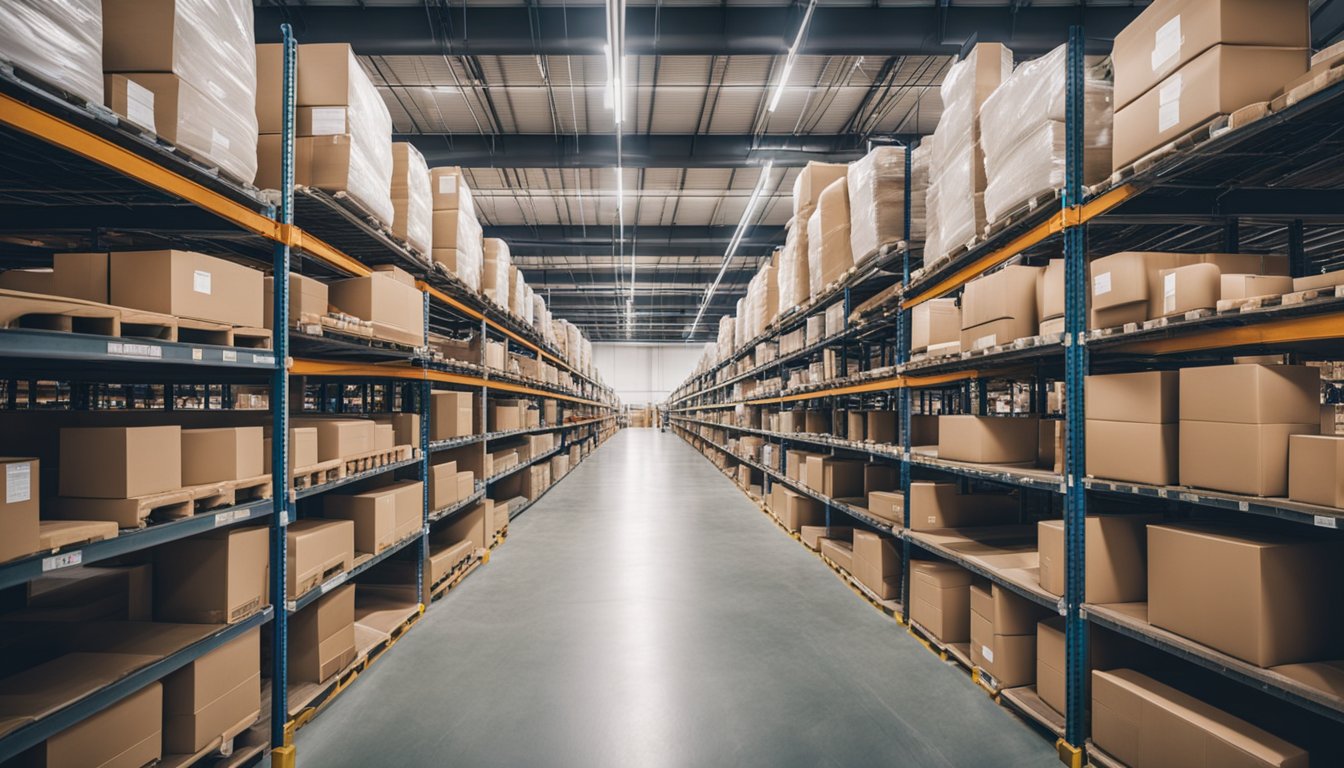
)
(1068, 754)
(283, 757)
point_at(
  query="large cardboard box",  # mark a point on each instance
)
(836, 478)
(450, 415)
(128, 733)
(795, 510)
(940, 599)
(302, 448)
(75, 275)
(1128, 287)
(373, 513)
(1171, 33)
(888, 506)
(120, 462)
(1189, 288)
(469, 525)
(443, 559)
(219, 577)
(999, 307)
(828, 253)
(307, 298)
(222, 453)
(1133, 452)
(19, 508)
(877, 564)
(1265, 598)
(839, 551)
(813, 535)
(216, 694)
(935, 506)
(1008, 655)
(1050, 291)
(1315, 470)
(1105, 650)
(186, 284)
(1219, 81)
(341, 438)
(1146, 397)
(1114, 568)
(1232, 286)
(1251, 393)
(882, 427)
(443, 485)
(322, 637)
(1142, 722)
(1238, 458)
(317, 550)
(383, 300)
(988, 439)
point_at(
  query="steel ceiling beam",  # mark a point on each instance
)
(691, 30)
(528, 240)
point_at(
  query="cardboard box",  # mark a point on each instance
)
(880, 477)
(307, 298)
(1050, 291)
(1114, 570)
(855, 425)
(882, 427)
(940, 599)
(341, 438)
(451, 414)
(1142, 722)
(1189, 288)
(384, 437)
(1315, 282)
(836, 478)
(405, 427)
(302, 449)
(1133, 452)
(373, 513)
(1105, 650)
(1171, 33)
(1251, 393)
(316, 551)
(383, 300)
(935, 506)
(19, 508)
(1127, 287)
(466, 483)
(888, 506)
(923, 429)
(443, 560)
(877, 564)
(1219, 81)
(1249, 286)
(120, 462)
(74, 275)
(219, 577)
(213, 695)
(999, 308)
(322, 637)
(812, 535)
(1238, 458)
(443, 485)
(1007, 612)
(795, 510)
(1146, 397)
(1315, 469)
(937, 321)
(1008, 657)
(988, 439)
(468, 525)
(127, 733)
(505, 417)
(186, 284)
(219, 454)
(840, 552)
(449, 188)
(1265, 598)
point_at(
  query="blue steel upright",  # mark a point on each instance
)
(1075, 364)
(422, 551)
(282, 751)
(903, 342)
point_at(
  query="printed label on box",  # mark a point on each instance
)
(987, 653)
(140, 105)
(1166, 44)
(18, 482)
(1169, 103)
(1169, 293)
(447, 185)
(200, 281)
(1101, 284)
(328, 121)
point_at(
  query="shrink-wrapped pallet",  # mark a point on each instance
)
(876, 185)
(919, 187)
(828, 248)
(412, 204)
(495, 263)
(61, 43)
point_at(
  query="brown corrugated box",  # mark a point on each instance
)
(306, 297)
(1050, 291)
(1149, 397)
(1142, 722)
(1127, 287)
(877, 564)
(1265, 598)
(339, 438)
(828, 254)
(940, 599)
(1114, 571)
(937, 321)
(812, 535)
(1170, 33)
(1232, 286)
(1105, 650)
(302, 448)
(466, 480)
(1003, 634)
(1189, 288)
(212, 578)
(935, 506)
(74, 275)
(384, 437)
(405, 427)
(999, 308)
(373, 513)
(1315, 469)
(795, 510)
(450, 414)
(186, 284)
(1238, 458)
(880, 477)
(443, 485)
(1219, 81)
(1132, 427)
(383, 300)
(120, 462)
(837, 478)
(19, 507)
(213, 695)
(468, 524)
(317, 550)
(221, 453)
(127, 733)
(888, 506)
(988, 439)
(840, 552)
(322, 636)
(881, 426)
(442, 560)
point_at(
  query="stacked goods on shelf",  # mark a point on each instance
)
(1114, 561)
(495, 265)
(1003, 634)
(309, 300)
(412, 207)
(956, 166)
(20, 513)
(187, 71)
(1137, 286)
(919, 188)
(935, 327)
(517, 290)
(762, 300)
(876, 189)
(60, 43)
(382, 516)
(1000, 308)
(343, 128)
(457, 233)
(796, 283)
(1180, 64)
(1132, 425)
(1050, 298)
(828, 246)
(1023, 133)
(940, 600)
(792, 274)
(388, 299)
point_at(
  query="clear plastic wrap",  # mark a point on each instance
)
(828, 254)
(185, 116)
(495, 263)
(740, 326)
(1035, 166)
(876, 201)
(464, 258)
(412, 207)
(370, 126)
(793, 265)
(727, 332)
(573, 342)
(919, 189)
(528, 307)
(538, 311)
(60, 41)
(769, 295)
(517, 291)
(961, 213)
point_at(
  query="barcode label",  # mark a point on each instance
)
(63, 560)
(126, 349)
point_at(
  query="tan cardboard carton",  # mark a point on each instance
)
(213, 695)
(839, 551)
(466, 483)
(1251, 393)
(1114, 570)
(837, 478)
(120, 462)
(888, 506)
(19, 508)
(855, 425)
(1127, 287)
(882, 427)
(450, 189)
(384, 437)
(450, 415)
(75, 275)
(443, 559)
(443, 485)
(1249, 286)
(186, 284)
(795, 510)
(1105, 650)
(988, 439)
(937, 321)
(302, 448)
(1133, 452)
(373, 513)
(1008, 657)
(128, 733)
(1146, 397)
(940, 600)
(469, 525)
(383, 300)
(1238, 458)
(877, 564)
(307, 298)
(812, 535)
(322, 637)
(1050, 291)
(880, 477)
(923, 429)
(219, 577)
(317, 550)
(1189, 288)
(999, 307)
(340, 438)
(1315, 469)
(1261, 597)
(1142, 722)
(405, 427)
(223, 453)
(1315, 282)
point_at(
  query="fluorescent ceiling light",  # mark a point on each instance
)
(792, 56)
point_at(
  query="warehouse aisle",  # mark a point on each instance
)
(644, 613)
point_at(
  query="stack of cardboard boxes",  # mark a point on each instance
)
(62, 45)
(876, 190)
(828, 247)
(456, 232)
(387, 298)
(412, 206)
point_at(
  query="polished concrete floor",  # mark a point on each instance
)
(645, 614)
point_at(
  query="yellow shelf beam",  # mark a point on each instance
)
(400, 370)
(1285, 331)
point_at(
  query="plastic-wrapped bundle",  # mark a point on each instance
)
(60, 42)
(876, 201)
(740, 326)
(538, 310)
(792, 275)
(461, 252)
(768, 304)
(495, 263)
(919, 187)
(573, 341)
(528, 308)
(726, 334)
(412, 206)
(368, 124)
(1023, 133)
(828, 254)
(517, 291)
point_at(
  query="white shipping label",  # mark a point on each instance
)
(1169, 293)
(200, 281)
(984, 342)
(328, 121)
(447, 185)
(1101, 284)
(988, 653)
(140, 105)
(219, 143)
(1169, 103)
(1166, 44)
(18, 482)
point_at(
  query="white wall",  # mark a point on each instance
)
(645, 373)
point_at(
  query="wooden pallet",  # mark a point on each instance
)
(1236, 306)
(1215, 126)
(316, 474)
(221, 746)
(55, 534)
(1313, 294)
(20, 309)
(139, 511)
(374, 459)
(221, 334)
(450, 582)
(1024, 209)
(891, 608)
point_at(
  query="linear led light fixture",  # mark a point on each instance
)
(741, 230)
(614, 53)
(792, 57)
